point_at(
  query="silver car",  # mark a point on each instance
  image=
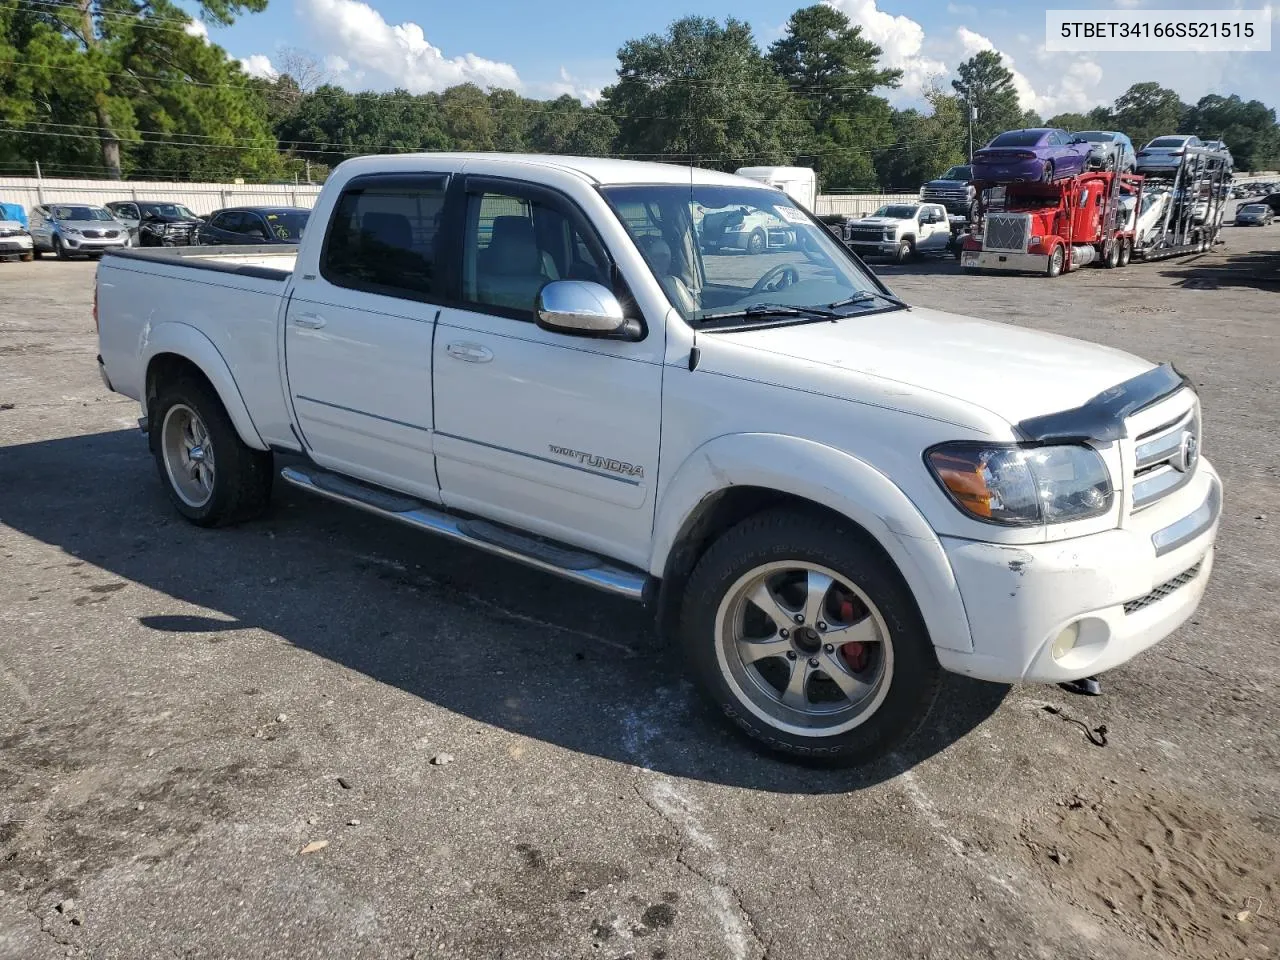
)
(1163, 155)
(1108, 150)
(72, 229)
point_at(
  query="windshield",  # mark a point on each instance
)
(720, 250)
(1167, 142)
(897, 211)
(174, 210)
(1018, 138)
(1096, 136)
(1254, 208)
(81, 213)
(286, 224)
(958, 173)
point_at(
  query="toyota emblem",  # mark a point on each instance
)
(1188, 453)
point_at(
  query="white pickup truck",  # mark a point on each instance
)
(902, 231)
(829, 494)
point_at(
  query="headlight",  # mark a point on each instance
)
(1023, 485)
(891, 234)
(71, 230)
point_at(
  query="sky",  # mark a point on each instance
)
(547, 49)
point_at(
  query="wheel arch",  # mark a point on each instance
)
(731, 478)
(175, 349)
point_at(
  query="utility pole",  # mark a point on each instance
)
(308, 163)
(973, 115)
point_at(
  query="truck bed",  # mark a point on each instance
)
(273, 261)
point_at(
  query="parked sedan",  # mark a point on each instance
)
(1163, 155)
(1039, 153)
(1254, 215)
(15, 241)
(1108, 150)
(156, 223)
(67, 229)
(254, 225)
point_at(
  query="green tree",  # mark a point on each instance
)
(984, 81)
(704, 91)
(1069, 121)
(126, 72)
(331, 125)
(1147, 110)
(832, 70)
(926, 144)
(1248, 129)
(565, 126)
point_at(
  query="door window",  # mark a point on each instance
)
(230, 222)
(383, 237)
(514, 246)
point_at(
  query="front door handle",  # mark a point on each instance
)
(470, 352)
(312, 321)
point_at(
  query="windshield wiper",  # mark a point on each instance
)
(771, 310)
(862, 296)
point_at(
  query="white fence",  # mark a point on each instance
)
(860, 204)
(200, 197)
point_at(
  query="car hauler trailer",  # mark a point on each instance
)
(1193, 214)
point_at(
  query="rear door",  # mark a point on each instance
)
(552, 433)
(358, 334)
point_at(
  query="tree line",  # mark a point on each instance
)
(128, 88)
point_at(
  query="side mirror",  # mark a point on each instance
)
(581, 308)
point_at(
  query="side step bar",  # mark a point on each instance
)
(564, 562)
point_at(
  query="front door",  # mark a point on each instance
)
(358, 335)
(549, 432)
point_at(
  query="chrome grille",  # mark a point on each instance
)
(1162, 591)
(1165, 459)
(1006, 231)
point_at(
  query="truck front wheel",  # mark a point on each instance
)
(211, 476)
(1056, 261)
(807, 641)
(757, 242)
(906, 250)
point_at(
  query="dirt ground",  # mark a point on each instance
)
(221, 744)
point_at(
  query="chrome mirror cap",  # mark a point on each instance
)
(580, 307)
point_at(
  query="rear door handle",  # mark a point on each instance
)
(470, 352)
(312, 321)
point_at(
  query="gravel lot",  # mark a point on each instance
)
(186, 717)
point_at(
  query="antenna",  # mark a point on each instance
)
(694, 353)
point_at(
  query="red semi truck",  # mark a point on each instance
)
(1052, 228)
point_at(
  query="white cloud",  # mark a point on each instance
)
(1073, 89)
(400, 53)
(961, 10)
(588, 93)
(259, 65)
(197, 28)
(901, 39)
(336, 64)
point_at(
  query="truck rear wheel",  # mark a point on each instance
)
(1126, 252)
(807, 640)
(757, 242)
(1113, 255)
(210, 475)
(1056, 261)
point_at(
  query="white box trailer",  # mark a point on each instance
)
(799, 183)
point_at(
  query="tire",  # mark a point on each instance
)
(1057, 260)
(1126, 252)
(831, 569)
(1048, 171)
(757, 243)
(1113, 255)
(906, 251)
(37, 252)
(229, 482)
(27, 257)
(59, 250)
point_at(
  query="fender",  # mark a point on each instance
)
(189, 343)
(838, 481)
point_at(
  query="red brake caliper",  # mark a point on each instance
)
(855, 653)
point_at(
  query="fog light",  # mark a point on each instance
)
(1065, 642)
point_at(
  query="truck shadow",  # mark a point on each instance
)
(479, 636)
(1255, 268)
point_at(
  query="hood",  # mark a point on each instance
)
(175, 219)
(878, 222)
(11, 225)
(91, 224)
(946, 184)
(1010, 371)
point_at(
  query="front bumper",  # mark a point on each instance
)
(1008, 260)
(873, 248)
(83, 244)
(19, 246)
(1127, 589)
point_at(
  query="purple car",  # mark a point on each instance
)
(1041, 153)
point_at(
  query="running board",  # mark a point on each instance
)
(564, 562)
